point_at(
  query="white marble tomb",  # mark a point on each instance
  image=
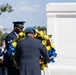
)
(61, 23)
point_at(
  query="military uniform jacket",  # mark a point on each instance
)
(27, 55)
(8, 40)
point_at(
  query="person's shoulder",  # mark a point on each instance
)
(37, 40)
(9, 35)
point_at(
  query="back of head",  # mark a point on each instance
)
(29, 30)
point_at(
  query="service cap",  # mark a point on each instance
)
(19, 23)
(30, 30)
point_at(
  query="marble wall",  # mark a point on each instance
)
(61, 23)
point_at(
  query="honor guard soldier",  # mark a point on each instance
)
(18, 27)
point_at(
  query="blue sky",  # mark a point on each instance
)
(31, 11)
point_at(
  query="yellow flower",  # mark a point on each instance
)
(52, 45)
(46, 36)
(46, 65)
(24, 34)
(35, 35)
(14, 44)
(48, 47)
(44, 42)
(43, 66)
(21, 34)
(41, 33)
(44, 32)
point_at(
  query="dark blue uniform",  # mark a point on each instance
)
(11, 70)
(27, 55)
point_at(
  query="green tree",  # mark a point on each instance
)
(1, 35)
(5, 8)
(42, 28)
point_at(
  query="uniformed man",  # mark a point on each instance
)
(28, 52)
(18, 27)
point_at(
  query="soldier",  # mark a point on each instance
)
(28, 52)
(18, 27)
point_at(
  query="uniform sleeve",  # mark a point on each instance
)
(43, 52)
(8, 40)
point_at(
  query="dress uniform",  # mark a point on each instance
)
(11, 70)
(28, 52)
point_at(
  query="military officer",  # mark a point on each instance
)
(18, 27)
(28, 52)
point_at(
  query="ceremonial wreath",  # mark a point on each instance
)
(46, 41)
